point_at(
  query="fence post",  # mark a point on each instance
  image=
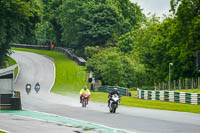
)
(179, 84)
(174, 84)
(155, 86)
(163, 85)
(169, 85)
(192, 83)
(186, 83)
(127, 91)
(160, 86)
(198, 82)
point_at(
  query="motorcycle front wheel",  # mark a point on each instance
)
(83, 103)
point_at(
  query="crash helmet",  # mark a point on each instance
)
(85, 87)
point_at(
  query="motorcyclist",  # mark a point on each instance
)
(83, 91)
(28, 88)
(37, 87)
(113, 92)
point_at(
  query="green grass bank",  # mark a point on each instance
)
(70, 78)
(2, 131)
(190, 90)
(11, 62)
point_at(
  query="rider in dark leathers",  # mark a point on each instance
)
(37, 87)
(113, 92)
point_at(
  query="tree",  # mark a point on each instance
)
(175, 39)
(187, 14)
(96, 22)
(97, 25)
(69, 13)
(51, 15)
(27, 30)
(113, 68)
(13, 14)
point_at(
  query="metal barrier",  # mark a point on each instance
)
(170, 96)
(67, 52)
(121, 90)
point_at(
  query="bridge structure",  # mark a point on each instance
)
(9, 99)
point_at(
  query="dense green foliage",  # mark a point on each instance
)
(85, 24)
(17, 20)
(186, 31)
(78, 24)
(121, 45)
(112, 67)
(176, 39)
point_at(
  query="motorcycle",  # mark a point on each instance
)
(37, 88)
(28, 88)
(114, 101)
(85, 99)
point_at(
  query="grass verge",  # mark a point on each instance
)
(2, 132)
(11, 62)
(71, 77)
(190, 90)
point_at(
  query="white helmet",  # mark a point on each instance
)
(115, 89)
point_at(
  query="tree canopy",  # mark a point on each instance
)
(15, 17)
(122, 46)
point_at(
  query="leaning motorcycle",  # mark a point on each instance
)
(85, 99)
(114, 101)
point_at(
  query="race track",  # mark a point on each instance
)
(36, 68)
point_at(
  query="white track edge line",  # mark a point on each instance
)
(54, 69)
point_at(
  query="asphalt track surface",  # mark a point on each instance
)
(36, 68)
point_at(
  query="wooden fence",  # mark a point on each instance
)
(188, 83)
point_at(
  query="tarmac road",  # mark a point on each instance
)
(35, 68)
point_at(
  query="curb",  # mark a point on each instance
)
(43, 116)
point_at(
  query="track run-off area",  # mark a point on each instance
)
(49, 112)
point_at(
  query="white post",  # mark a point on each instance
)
(170, 64)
